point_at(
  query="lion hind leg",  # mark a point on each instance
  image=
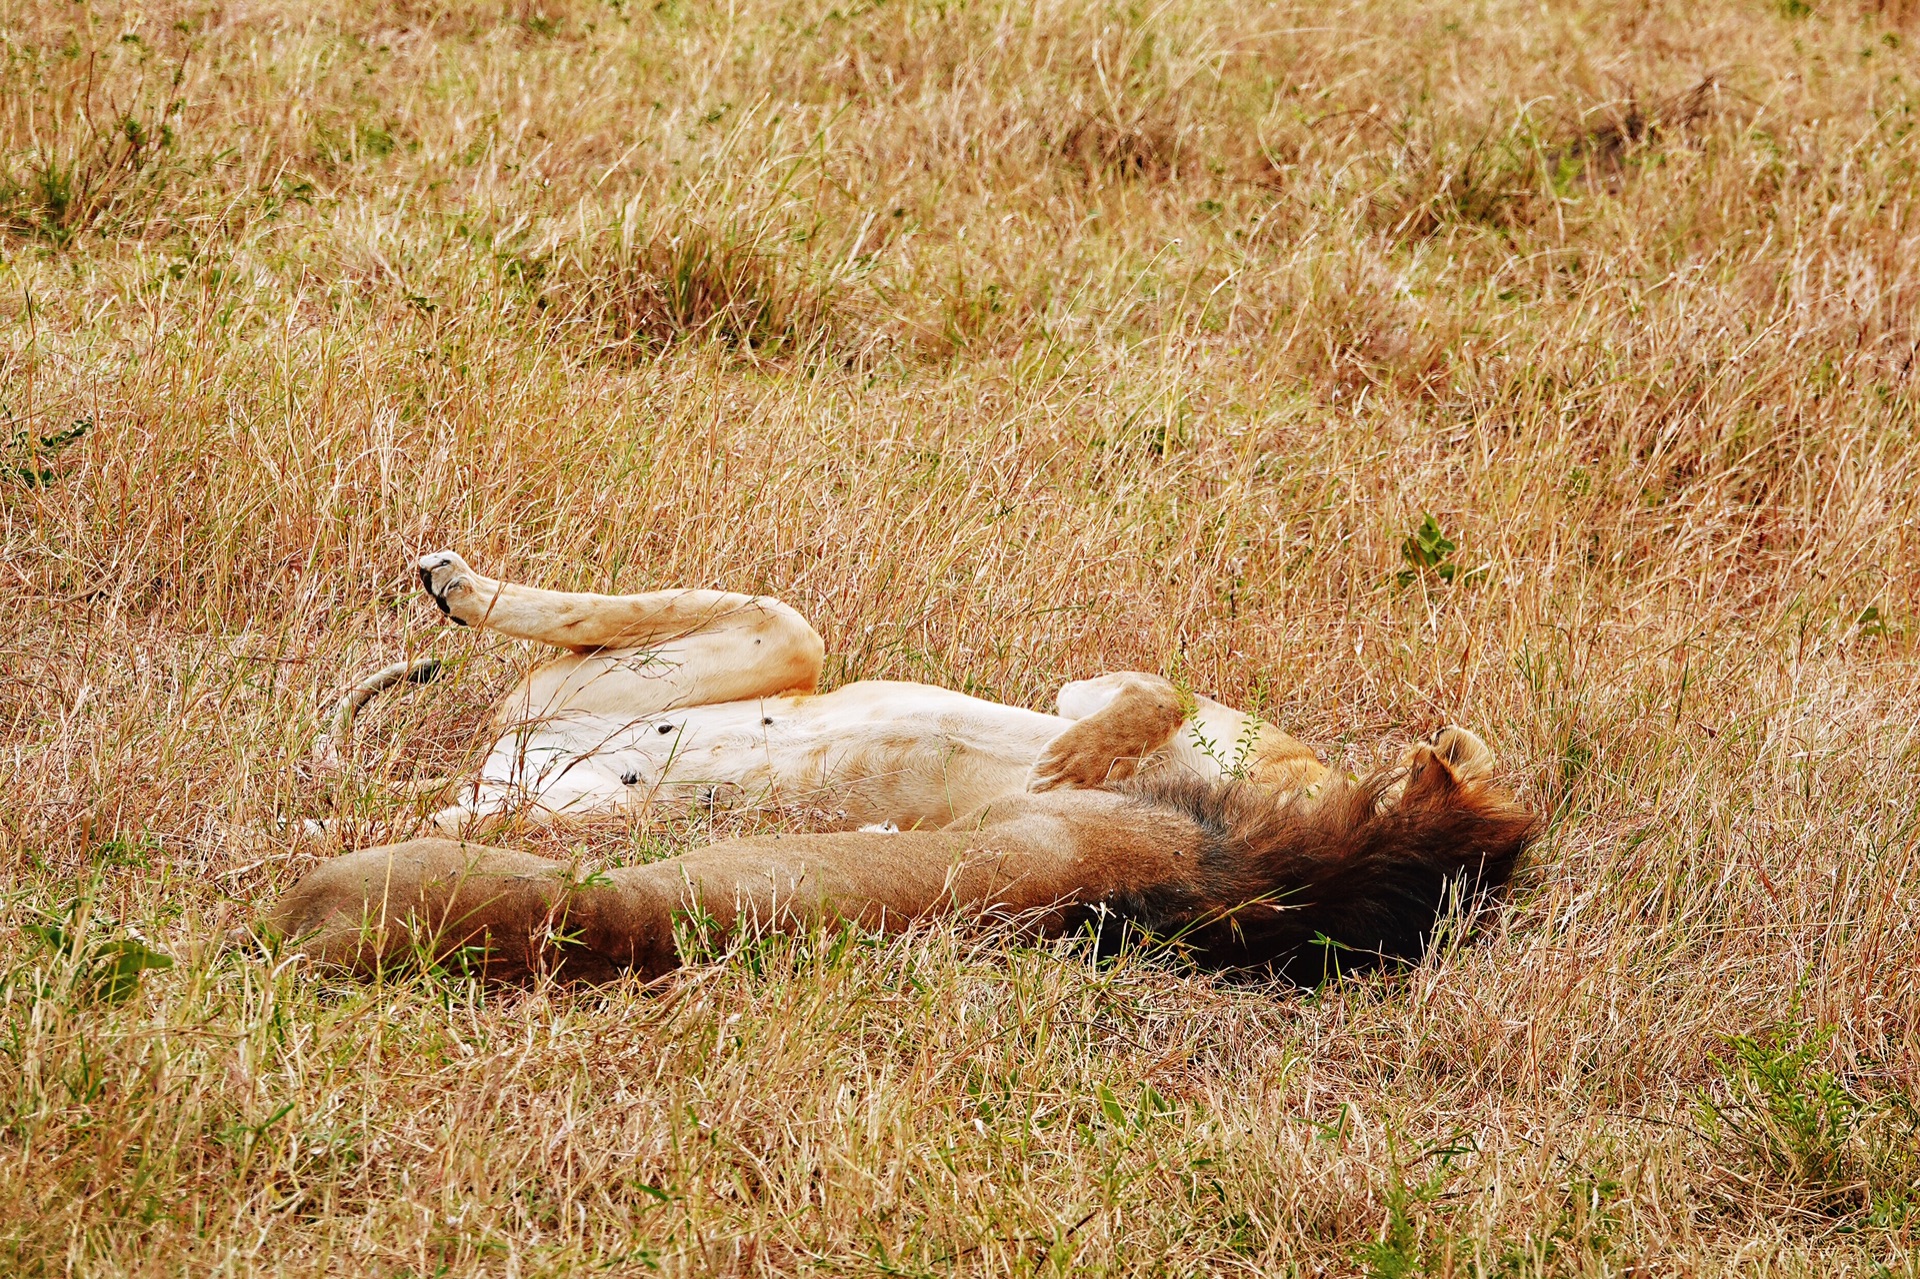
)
(753, 636)
(1081, 698)
(506, 915)
(1465, 753)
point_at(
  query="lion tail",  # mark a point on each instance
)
(330, 745)
(1352, 879)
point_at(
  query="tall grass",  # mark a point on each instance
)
(1011, 343)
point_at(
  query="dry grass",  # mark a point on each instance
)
(1012, 343)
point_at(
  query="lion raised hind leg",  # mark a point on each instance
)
(629, 657)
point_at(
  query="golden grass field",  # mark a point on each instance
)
(1012, 343)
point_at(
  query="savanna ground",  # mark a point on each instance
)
(1012, 343)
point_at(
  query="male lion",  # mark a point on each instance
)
(1233, 874)
(707, 697)
(1289, 872)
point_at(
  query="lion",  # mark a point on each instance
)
(1136, 812)
(1298, 886)
(690, 698)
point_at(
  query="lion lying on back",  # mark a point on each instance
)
(1095, 819)
(1235, 875)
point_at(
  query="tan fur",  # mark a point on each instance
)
(1113, 743)
(697, 697)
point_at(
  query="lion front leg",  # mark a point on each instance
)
(1140, 715)
(509, 915)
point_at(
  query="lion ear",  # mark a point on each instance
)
(1465, 752)
(1430, 774)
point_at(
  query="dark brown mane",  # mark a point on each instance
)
(1339, 882)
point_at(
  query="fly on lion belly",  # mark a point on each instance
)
(673, 760)
(708, 770)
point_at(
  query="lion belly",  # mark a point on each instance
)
(874, 751)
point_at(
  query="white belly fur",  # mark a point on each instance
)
(871, 751)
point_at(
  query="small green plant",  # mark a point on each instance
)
(1414, 1240)
(1436, 177)
(1428, 550)
(460, 974)
(136, 851)
(108, 175)
(1233, 760)
(105, 963)
(28, 452)
(1791, 1123)
(1399, 1251)
(687, 284)
(1135, 1118)
(698, 937)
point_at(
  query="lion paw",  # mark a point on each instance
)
(1079, 760)
(449, 583)
(1112, 743)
